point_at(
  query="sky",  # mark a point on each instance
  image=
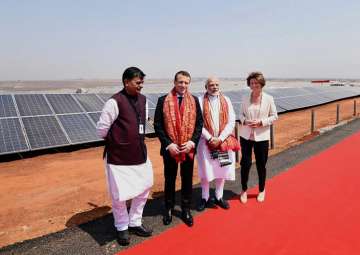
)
(55, 40)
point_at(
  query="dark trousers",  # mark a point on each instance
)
(261, 150)
(170, 172)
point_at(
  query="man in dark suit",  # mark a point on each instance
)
(178, 124)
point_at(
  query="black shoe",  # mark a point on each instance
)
(201, 206)
(140, 231)
(211, 203)
(222, 203)
(123, 237)
(167, 217)
(206, 204)
(187, 218)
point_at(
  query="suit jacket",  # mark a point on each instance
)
(268, 115)
(160, 128)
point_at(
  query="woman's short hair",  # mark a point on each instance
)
(257, 76)
(132, 72)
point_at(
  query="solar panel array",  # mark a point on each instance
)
(286, 99)
(39, 121)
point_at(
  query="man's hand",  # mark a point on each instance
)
(186, 147)
(214, 142)
(173, 149)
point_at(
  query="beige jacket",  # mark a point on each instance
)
(268, 115)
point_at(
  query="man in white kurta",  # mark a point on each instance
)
(210, 169)
(126, 181)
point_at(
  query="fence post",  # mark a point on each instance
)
(272, 136)
(237, 156)
(337, 113)
(354, 107)
(312, 120)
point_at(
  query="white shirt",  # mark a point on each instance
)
(124, 181)
(210, 169)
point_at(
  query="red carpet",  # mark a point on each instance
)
(313, 208)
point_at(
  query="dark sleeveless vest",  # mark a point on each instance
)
(124, 145)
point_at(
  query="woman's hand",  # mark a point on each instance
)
(253, 123)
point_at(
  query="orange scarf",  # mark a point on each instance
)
(180, 121)
(230, 143)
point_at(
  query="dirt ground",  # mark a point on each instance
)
(48, 193)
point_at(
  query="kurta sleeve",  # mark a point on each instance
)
(231, 123)
(108, 115)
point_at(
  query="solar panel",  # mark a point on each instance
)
(307, 100)
(79, 128)
(90, 102)
(275, 93)
(154, 98)
(151, 113)
(331, 95)
(279, 109)
(320, 98)
(12, 137)
(44, 132)
(343, 93)
(63, 103)
(95, 116)
(197, 94)
(105, 97)
(149, 128)
(285, 103)
(235, 96)
(296, 102)
(311, 90)
(32, 105)
(355, 90)
(151, 104)
(237, 108)
(287, 92)
(7, 106)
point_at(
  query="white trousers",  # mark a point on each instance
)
(122, 218)
(219, 188)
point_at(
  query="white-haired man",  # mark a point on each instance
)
(216, 157)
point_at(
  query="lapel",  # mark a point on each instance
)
(262, 104)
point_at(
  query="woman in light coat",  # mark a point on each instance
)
(258, 112)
